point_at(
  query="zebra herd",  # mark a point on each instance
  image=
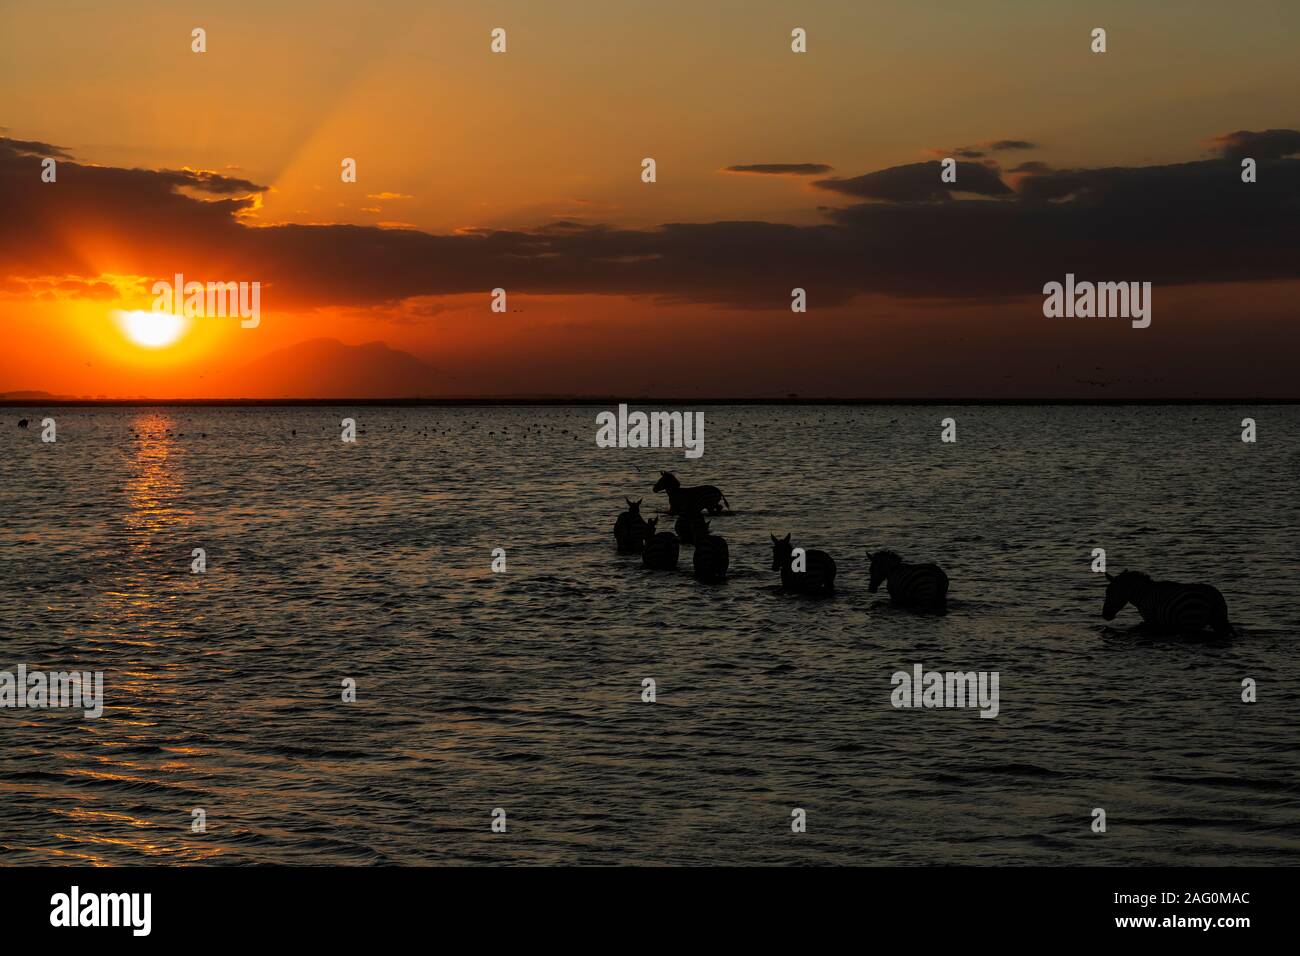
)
(802, 571)
(1165, 607)
(659, 550)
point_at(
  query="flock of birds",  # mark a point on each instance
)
(1166, 607)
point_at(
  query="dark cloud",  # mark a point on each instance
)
(1032, 166)
(557, 225)
(918, 182)
(1186, 223)
(209, 182)
(962, 152)
(1265, 144)
(781, 169)
(32, 148)
(980, 150)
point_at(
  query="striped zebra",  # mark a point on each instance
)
(630, 528)
(1168, 608)
(689, 500)
(711, 557)
(661, 548)
(690, 526)
(911, 585)
(817, 576)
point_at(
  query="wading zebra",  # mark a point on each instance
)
(816, 576)
(661, 548)
(630, 528)
(711, 557)
(1168, 608)
(911, 585)
(689, 500)
(691, 526)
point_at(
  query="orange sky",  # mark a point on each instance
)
(522, 170)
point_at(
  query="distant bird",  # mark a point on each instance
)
(711, 557)
(1168, 608)
(22, 423)
(910, 585)
(816, 571)
(661, 548)
(690, 526)
(630, 528)
(687, 500)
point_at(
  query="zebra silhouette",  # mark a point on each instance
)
(1168, 608)
(689, 500)
(661, 548)
(909, 585)
(711, 557)
(630, 528)
(817, 575)
(691, 526)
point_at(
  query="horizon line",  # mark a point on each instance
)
(54, 401)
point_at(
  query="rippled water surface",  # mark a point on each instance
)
(522, 690)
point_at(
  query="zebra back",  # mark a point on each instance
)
(1181, 608)
(917, 584)
(630, 531)
(818, 574)
(661, 551)
(711, 558)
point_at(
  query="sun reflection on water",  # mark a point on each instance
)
(156, 484)
(142, 609)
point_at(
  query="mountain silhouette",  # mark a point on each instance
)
(29, 396)
(327, 368)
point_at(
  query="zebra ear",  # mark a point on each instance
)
(1108, 577)
(773, 538)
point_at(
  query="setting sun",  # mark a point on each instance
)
(152, 330)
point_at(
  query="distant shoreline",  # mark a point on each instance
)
(604, 402)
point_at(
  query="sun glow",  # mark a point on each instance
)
(152, 330)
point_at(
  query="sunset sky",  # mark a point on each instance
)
(775, 170)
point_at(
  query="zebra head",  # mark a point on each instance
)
(667, 482)
(1120, 590)
(883, 563)
(781, 549)
(634, 507)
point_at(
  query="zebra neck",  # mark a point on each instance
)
(1145, 599)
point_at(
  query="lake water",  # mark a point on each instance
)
(522, 690)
